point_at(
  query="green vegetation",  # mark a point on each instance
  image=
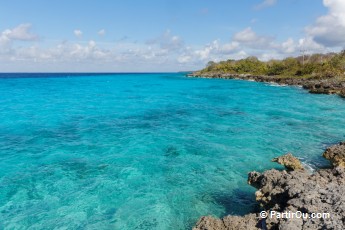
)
(315, 65)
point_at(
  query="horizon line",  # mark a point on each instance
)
(92, 72)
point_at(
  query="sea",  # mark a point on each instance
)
(148, 150)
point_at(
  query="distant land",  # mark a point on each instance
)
(318, 73)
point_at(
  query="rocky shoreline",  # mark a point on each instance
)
(334, 85)
(293, 191)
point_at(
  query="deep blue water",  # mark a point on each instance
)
(147, 151)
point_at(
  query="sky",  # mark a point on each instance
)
(161, 35)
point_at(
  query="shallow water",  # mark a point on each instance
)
(147, 151)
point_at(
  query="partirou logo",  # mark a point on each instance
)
(294, 215)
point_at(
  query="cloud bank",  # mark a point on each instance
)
(329, 30)
(22, 50)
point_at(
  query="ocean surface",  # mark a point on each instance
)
(147, 151)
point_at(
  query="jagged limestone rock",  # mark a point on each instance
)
(289, 162)
(336, 155)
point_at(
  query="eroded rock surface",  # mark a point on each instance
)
(290, 162)
(321, 192)
(336, 154)
(292, 191)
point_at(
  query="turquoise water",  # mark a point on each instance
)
(147, 151)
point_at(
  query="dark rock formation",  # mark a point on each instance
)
(293, 192)
(315, 85)
(290, 162)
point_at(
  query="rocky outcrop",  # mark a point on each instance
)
(332, 85)
(292, 193)
(284, 192)
(290, 162)
(326, 86)
(336, 154)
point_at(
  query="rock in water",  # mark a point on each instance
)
(290, 162)
(336, 155)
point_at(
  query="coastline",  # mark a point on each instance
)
(293, 191)
(315, 85)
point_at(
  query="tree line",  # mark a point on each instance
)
(314, 65)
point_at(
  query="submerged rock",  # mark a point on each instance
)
(293, 191)
(290, 162)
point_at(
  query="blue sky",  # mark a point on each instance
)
(161, 35)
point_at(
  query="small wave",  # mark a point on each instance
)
(274, 84)
(309, 167)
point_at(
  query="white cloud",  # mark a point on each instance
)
(62, 52)
(5, 43)
(265, 4)
(247, 35)
(255, 44)
(310, 45)
(161, 55)
(90, 51)
(204, 54)
(78, 33)
(21, 32)
(167, 41)
(270, 55)
(184, 59)
(289, 46)
(251, 39)
(230, 47)
(101, 32)
(329, 30)
(214, 50)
